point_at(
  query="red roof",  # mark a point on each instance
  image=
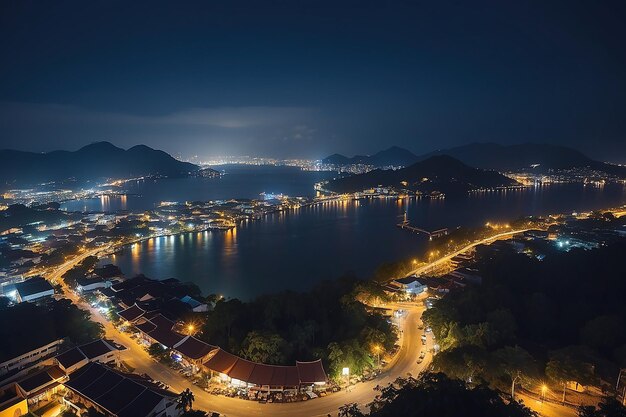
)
(262, 374)
(221, 361)
(194, 348)
(311, 372)
(159, 328)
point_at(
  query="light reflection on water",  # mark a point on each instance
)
(293, 250)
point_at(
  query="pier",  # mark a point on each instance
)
(406, 225)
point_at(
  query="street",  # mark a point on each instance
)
(402, 364)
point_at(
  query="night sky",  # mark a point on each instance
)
(310, 78)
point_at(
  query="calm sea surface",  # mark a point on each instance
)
(239, 181)
(294, 250)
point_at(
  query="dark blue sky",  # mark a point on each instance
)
(308, 78)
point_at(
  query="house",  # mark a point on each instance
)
(116, 394)
(79, 356)
(84, 284)
(411, 285)
(33, 289)
(12, 402)
(158, 329)
(462, 259)
(27, 358)
(467, 275)
(192, 351)
(242, 372)
(42, 385)
(132, 313)
(195, 305)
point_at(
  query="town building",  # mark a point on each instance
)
(12, 402)
(33, 289)
(116, 394)
(411, 285)
(196, 306)
(241, 372)
(97, 351)
(27, 358)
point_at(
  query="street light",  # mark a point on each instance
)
(544, 388)
(346, 372)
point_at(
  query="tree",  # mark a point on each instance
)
(89, 262)
(468, 363)
(516, 363)
(156, 350)
(185, 400)
(438, 395)
(262, 348)
(567, 365)
(609, 407)
(350, 410)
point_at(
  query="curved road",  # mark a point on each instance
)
(424, 268)
(403, 363)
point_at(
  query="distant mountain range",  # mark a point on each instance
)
(538, 157)
(437, 173)
(394, 156)
(95, 161)
(523, 156)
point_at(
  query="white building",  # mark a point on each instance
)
(29, 358)
(33, 289)
(411, 285)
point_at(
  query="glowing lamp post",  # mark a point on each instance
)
(346, 372)
(544, 388)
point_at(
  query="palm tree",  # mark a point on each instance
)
(185, 400)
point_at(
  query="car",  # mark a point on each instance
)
(420, 327)
(422, 355)
(428, 329)
(423, 341)
(419, 361)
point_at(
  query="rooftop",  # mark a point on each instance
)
(113, 391)
(33, 286)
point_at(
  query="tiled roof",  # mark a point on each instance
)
(113, 391)
(41, 379)
(194, 348)
(262, 374)
(71, 357)
(96, 348)
(311, 372)
(132, 313)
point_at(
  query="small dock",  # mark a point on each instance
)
(406, 225)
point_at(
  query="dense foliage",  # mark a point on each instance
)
(326, 322)
(27, 326)
(438, 395)
(561, 318)
(609, 407)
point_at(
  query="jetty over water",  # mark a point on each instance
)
(406, 225)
